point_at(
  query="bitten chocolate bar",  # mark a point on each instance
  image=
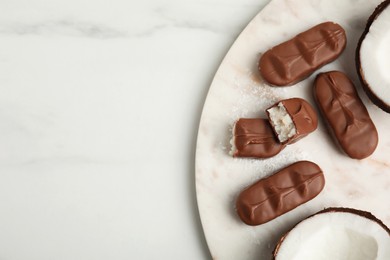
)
(253, 137)
(292, 119)
(294, 60)
(280, 193)
(346, 114)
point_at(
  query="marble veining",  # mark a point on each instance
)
(64, 27)
(158, 17)
(99, 107)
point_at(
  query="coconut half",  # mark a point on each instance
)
(373, 57)
(336, 233)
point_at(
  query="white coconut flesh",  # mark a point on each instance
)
(282, 122)
(375, 56)
(336, 236)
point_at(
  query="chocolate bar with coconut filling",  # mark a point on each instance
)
(279, 193)
(345, 113)
(294, 60)
(254, 138)
(292, 119)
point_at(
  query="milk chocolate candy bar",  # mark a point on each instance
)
(345, 114)
(280, 193)
(294, 60)
(292, 119)
(253, 137)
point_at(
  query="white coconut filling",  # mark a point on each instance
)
(375, 56)
(282, 122)
(233, 148)
(336, 235)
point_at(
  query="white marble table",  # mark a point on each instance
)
(99, 109)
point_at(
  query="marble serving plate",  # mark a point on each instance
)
(237, 91)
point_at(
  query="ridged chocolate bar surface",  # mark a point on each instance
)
(279, 193)
(346, 114)
(253, 137)
(295, 59)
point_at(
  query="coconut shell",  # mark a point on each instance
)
(366, 87)
(360, 213)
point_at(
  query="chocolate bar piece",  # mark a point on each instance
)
(346, 114)
(294, 60)
(292, 119)
(280, 193)
(253, 137)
